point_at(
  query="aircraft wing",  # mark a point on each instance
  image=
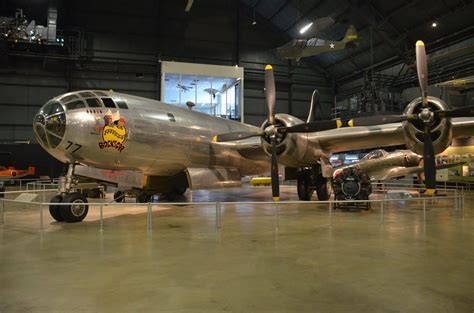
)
(355, 138)
(371, 137)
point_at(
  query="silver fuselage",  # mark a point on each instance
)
(161, 139)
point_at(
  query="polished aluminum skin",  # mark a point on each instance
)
(381, 165)
(155, 138)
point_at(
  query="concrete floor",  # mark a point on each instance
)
(354, 264)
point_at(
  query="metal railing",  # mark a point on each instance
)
(457, 198)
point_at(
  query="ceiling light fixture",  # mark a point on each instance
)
(434, 24)
(305, 28)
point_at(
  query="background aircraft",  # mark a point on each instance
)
(353, 181)
(301, 48)
(173, 148)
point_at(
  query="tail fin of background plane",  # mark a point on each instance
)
(351, 34)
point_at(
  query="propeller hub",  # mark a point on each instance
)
(271, 130)
(426, 115)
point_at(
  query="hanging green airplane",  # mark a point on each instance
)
(302, 48)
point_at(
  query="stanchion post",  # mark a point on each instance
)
(220, 214)
(149, 216)
(101, 217)
(330, 214)
(44, 191)
(217, 214)
(41, 217)
(456, 200)
(381, 211)
(3, 210)
(424, 210)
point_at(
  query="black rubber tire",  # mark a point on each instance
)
(143, 197)
(94, 193)
(179, 190)
(119, 196)
(69, 213)
(322, 189)
(304, 191)
(55, 210)
(2, 189)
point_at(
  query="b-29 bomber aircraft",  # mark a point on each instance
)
(172, 149)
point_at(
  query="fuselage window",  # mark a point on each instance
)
(171, 117)
(93, 103)
(78, 104)
(108, 103)
(121, 104)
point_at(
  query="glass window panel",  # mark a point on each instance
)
(75, 105)
(68, 98)
(187, 88)
(94, 103)
(121, 104)
(205, 95)
(87, 94)
(108, 103)
(171, 88)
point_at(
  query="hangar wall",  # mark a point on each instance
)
(106, 50)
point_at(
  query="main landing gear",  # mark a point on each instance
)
(76, 209)
(310, 179)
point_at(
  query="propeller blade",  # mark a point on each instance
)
(275, 178)
(376, 120)
(311, 127)
(422, 70)
(429, 163)
(332, 124)
(270, 94)
(235, 136)
(461, 112)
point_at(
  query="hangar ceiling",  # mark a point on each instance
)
(395, 26)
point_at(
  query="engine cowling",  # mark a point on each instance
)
(351, 184)
(441, 131)
(293, 150)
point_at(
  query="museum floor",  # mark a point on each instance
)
(354, 264)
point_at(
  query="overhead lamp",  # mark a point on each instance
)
(305, 28)
(434, 24)
(254, 22)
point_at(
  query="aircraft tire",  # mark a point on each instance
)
(119, 196)
(303, 187)
(143, 197)
(76, 212)
(55, 210)
(322, 189)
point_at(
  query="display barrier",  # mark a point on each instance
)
(457, 197)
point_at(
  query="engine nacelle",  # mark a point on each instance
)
(293, 150)
(441, 129)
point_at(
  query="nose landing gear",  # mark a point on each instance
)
(77, 208)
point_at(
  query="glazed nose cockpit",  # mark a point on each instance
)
(50, 124)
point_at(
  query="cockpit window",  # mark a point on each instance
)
(78, 104)
(94, 103)
(108, 103)
(51, 107)
(376, 154)
(121, 104)
(68, 98)
(50, 124)
(87, 94)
